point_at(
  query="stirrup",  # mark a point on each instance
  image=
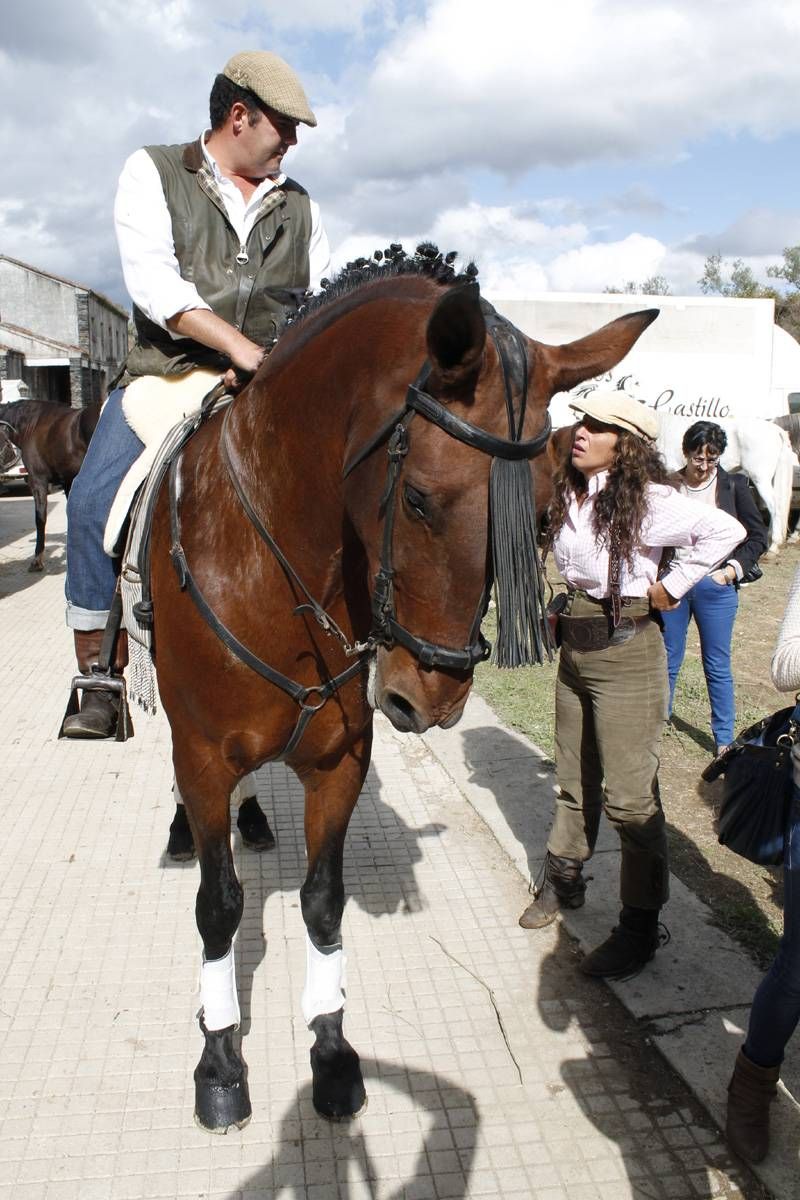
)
(99, 681)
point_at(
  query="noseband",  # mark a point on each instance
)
(386, 629)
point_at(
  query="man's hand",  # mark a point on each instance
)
(660, 598)
(205, 326)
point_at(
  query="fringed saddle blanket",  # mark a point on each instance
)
(163, 413)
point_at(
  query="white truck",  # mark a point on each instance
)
(704, 357)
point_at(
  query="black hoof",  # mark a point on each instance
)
(337, 1083)
(253, 826)
(180, 847)
(36, 565)
(221, 1094)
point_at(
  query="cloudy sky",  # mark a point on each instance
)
(564, 145)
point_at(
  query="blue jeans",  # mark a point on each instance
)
(713, 606)
(776, 1004)
(91, 573)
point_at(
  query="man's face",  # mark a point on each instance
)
(266, 136)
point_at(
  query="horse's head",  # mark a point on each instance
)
(456, 507)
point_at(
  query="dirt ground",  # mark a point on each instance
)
(746, 899)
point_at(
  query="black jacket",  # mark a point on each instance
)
(733, 496)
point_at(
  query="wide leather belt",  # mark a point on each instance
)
(595, 633)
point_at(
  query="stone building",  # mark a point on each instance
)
(64, 340)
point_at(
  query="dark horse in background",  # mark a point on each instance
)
(52, 439)
(324, 548)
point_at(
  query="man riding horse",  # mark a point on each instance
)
(217, 248)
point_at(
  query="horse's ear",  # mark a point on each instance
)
(598, 352)
(456, 336)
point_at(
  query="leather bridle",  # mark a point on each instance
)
(386, 629)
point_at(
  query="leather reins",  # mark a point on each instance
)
(386, 629)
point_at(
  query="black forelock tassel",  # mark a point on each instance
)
(523, 636)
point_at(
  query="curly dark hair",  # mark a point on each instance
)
(621, 506)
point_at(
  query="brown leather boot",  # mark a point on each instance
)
(562, 886)
(99, 709)
(750, 1093)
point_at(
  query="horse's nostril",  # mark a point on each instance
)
(402, 714)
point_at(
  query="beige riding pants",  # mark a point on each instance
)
(611, 707)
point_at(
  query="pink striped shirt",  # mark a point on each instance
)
(673, 520)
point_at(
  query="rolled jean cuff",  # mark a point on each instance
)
(85, 619)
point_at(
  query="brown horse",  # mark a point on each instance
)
(296, 572)
(52, 439)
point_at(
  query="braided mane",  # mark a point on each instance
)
(427, 260)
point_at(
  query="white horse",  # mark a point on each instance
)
(758, 447)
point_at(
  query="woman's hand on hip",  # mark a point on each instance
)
(660, 598)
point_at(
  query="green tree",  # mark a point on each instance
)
(741, 285)
(655, 285)
(790, 270)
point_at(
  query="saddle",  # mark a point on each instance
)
(134, 580)
(153, 406)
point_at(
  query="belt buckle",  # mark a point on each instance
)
(623, 632)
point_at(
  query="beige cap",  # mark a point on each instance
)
(618, 408)
(273, 81)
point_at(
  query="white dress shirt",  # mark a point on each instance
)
(709, 535)
(146, 248)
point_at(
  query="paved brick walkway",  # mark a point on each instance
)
(493, 1068)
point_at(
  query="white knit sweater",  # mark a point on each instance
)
(786, 659)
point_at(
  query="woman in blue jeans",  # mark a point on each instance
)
(713, 602)
(776, 1004)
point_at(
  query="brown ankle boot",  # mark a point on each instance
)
(562, 886)
(99, 708)
(750, 1093)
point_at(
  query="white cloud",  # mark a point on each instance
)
(437, 135)
(525, 84)
(757, 232)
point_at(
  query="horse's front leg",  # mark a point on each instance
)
(221, 1094)
(337, 1083)
(39, 493)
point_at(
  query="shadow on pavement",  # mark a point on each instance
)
(521, 782)
(664, 1141)
(381, 852)
(314, 1153)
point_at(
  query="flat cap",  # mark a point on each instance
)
(273, 81)
(618, 408)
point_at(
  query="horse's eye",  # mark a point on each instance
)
(415, 502)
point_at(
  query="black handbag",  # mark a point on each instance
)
(755, 573)
(757, 767)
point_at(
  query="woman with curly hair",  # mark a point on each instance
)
(612, 515)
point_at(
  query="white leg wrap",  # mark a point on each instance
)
(245, 787)
(218, 992)
(325, 981)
